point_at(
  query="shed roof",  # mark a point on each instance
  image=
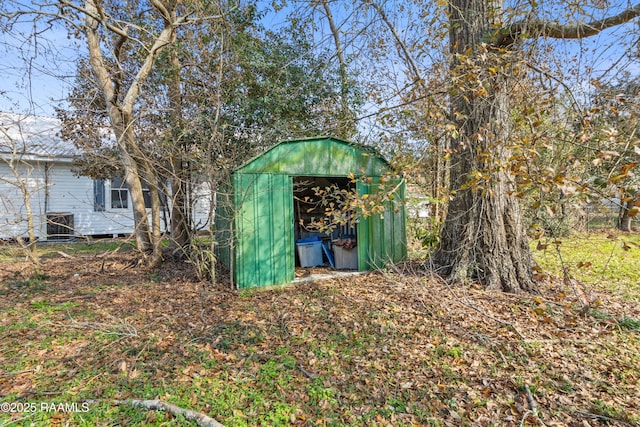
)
(33, 135)
(318, 156)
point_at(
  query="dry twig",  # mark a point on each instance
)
(201, 419)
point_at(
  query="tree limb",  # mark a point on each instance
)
(536, 27)
(159, 405)
(402, 47)
(93, 12)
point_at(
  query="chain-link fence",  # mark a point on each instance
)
(599, 216)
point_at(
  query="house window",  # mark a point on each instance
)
(98, 195)
(119, 194)
(146, 194)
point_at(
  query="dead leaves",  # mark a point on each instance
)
(364, 349)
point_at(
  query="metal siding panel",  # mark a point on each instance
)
(293, 160)
(289, 240)
(387, 248)
(363, 233)
(266, 163)
(400, 226)
(245, 230)
(317, 157)
(362, 164)
(393, 232)
(386, 240)
(223, 225)
(237, 229)
(282, 268)
(265, 232)
(376, 233)
(377, 241)
(342, 160)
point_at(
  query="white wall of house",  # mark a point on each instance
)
(202, 203)
(75, 194)
(55, 189)
(13, 210)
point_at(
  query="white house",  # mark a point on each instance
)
(35, 166)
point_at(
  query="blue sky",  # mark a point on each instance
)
(34, 75)
(34, 78)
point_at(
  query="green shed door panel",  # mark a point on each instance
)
(264, 230)
(363, 232)
(223, 226)
(382, 238)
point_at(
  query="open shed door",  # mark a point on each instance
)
(265, 222)
(381, 237)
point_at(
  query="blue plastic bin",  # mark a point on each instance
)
(309, 251)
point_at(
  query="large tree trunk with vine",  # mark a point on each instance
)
(180, 230)
(126, 147)
(484, 237)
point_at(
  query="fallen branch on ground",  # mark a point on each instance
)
(532, 405)
(159, 405)
(603, 418)
(65, 255)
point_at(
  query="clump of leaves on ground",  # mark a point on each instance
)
(400, 348)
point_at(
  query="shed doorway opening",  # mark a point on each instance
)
(325, 229)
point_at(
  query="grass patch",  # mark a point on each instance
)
(12, 253)
(629, 324)
(607, 261)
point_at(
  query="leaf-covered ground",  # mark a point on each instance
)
(380, 349)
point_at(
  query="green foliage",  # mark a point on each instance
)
(611, 412)
(428, 232)
(35, 282)
(48, 307)
(263, 86)
(551, 222)
(8, 253)
(320, 393)
(629, 323)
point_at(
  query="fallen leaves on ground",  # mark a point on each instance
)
(400, 348)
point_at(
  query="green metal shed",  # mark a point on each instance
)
(256, 220)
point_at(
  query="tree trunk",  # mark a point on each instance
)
(180, 235)
(624, 224)
(126, 147)
(484, 236)
(625, 217)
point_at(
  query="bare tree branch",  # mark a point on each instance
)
(536, 27)
(94, 14)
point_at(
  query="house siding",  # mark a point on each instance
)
(13, 210)
(54, 188)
